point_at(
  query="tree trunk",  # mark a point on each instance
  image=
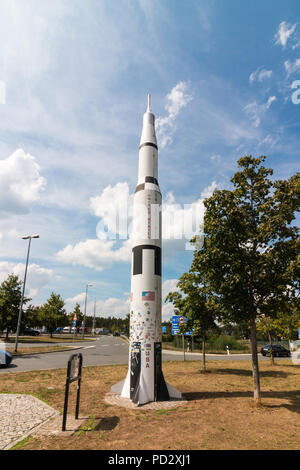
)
(203, 353)
(255, 369)
(6, 337)
(271, 350)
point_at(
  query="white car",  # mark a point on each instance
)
(69, 329)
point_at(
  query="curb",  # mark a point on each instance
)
(47, 352)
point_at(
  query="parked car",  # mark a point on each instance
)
(69, 329)
(278, 351)
(30, 332)
(59, 330)
(116, 333)
(5, 358)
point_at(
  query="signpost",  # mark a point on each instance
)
(178, 320)
(73, 374)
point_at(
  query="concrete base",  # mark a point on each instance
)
(117, 400)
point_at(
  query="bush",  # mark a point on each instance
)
(167, 338)
(219, 343)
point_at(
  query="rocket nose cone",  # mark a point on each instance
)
(149, 104)
(148, 131)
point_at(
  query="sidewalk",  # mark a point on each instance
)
(169, 351)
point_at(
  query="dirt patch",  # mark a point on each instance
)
(219, 413)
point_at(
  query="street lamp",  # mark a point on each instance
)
(28, 237)
(86, 289)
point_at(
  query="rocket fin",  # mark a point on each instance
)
(141, 396)
(117, 388)
(126, 386)
(173, 392)
(123, 387)
(162, 392)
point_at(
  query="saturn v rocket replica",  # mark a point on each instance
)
(145, 381)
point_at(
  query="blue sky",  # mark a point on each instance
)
(74, 78)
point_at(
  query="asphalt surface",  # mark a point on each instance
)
(105, 350)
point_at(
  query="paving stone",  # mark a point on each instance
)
(20, 415)
(117, 400)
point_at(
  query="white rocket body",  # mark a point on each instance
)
(145, 382)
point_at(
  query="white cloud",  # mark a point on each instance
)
(284, 33)
(165, 126)
(271, 99)
(256, 111)
(179, 224)
(260, 75)
(167, 311)
(170, 285)
(37, 277)
(95, 253)
(104, 308)
(292, 67)
(120, 307)
(112, 206)
(20, 182)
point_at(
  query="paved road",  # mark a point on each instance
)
(105, 350)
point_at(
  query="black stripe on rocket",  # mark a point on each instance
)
(148, 179)
(150, 144)
(138, 259)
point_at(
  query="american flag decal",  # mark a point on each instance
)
(148, 295)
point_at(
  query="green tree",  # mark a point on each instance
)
(10, 299)
(200, 307)
(287, 322)
(251, 250)
(79, 315)
(53, 313)
(32, 316)
(267, 327)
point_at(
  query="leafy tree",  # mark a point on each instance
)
(251, 253)
(197, 305)
(53, 313)
(78, 313)
(32, 316)
(200, 307)
(10, 299)
(267, 327)
(287, 322)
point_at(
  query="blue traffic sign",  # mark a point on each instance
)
(178, 320)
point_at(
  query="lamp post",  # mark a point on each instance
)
(86, 289)
(28, 237)
(94, 319)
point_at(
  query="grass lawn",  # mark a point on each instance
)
(45, 339)
(37, 350)
(39, 340)
(219, 413)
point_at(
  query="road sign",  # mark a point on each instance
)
(164, 329)
(175, 324)
(178, 320)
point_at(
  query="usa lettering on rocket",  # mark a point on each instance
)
(145, 381)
